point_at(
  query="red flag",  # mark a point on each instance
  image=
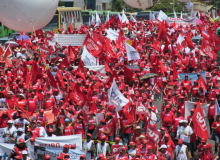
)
(65, 62)
(219, 12)
(1, 51)
(128, 74)
(7, 52)
(134, 44)
(113, 22)
(121, 38)
(199, 125)
(107, 69)
(39, 32)
(153, 134)
(26, 74)
(92, 46)
(202, 83)
(102, 77)
(36, 73)
(162, 34)
(98, 38)
(109, 50)
(49, 35)
(59, 78)
(81, 71)
(207, 49)
(43, 57)
(115, 151)
(201, 16)
(189, 41)
(157, 45)
(51, 79)
(156, 88)
(71, 28)
(77, 95)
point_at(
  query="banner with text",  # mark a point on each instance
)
(69, 39)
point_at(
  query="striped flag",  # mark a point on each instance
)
(217, 108)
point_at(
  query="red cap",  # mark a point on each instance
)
(89, 135)
(117, 138)
(212, 99)
(166, 135)
(102, 120)
(205, 146)
(124, 148)
(193, 110)
(32, 139)
(83, 156)
(149, 147)
(131, 143)
(66, 146)
(180, 141)
(41, 110)
(72, 145)
(203, 140)
(50, 130)
(21, 140)
(91, 112)
(109, 114)
(144, 141)
(102, 137)
(138, 153)
(47, 156)
(22, 115)
(163, 129)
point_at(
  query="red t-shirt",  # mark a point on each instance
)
(49, 103)
(186, 84)
(216, 124)
(10, 102)
(124, 121)
(91, 126)
(32, 104)
(36, 133)
(68, 131)
(22, 103)
(211, 113)
(167, 118)
(79, 129)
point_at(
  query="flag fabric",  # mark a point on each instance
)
(152, 17)
(157, 45)
(26, 74)
(87, 58)
(115, 97)
(134, 43)
(93, 19)
(65, 62)
(97, 19)
(132, 18)
(207, 49)
(43, 57)
(102, 77)
(113, 22)
(81, 71)
(189, 41)
(175, 16)
(217, 108)
(205, 34)
(51, 79)
(1, 51)
(162, 34)
(59, 78)
(219, 13)
(49, 35)
(7, 52)
(156, 89)
(107, 69)
(124, 18)
(36, 73)
(132, 54)
(202, 83)
(77, 95)
(181, 15)
(201, 16)
(192, 13)
(142, 109)
(189, 4)
(200, 128)
(162, 16)
(128, 74)
(180, 39)
(107, 18)
(153, 134)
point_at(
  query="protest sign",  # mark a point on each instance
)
(191, 76)
(115, 97)
(100, 68)
(69, 39)
(180, 21)
(5, 150)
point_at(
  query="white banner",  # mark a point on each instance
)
(181, 21)
(87, 58)
(100, 68)
(5, 150)
(115, 97)
(132, 54)
(190, 105)
(40, 152)
(59, 142)
(1, 135)
(69, 39)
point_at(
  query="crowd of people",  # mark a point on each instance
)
(28, 93)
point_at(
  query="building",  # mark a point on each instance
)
(74, 3)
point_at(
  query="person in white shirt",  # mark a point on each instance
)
(22, 120)
(88, 146)
(153, 117)
(132, 150)
(8, 131)
(41, 128)
(50, 133)
(22, 55)
(185, 132)
(181, 151)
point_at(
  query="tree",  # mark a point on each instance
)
(167, 6)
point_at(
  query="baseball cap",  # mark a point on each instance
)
(163, 146)
(166, 135)
(22, 115)
(149, 147)
(66, 146)
(102, 137)
(203, 140)
(20, 129)
(117, 138)
(124, 148)
(144, 141)
(83, 156)
(73, 145)
(180, 141)
(21, 140)
(32, 139)
(131, 143)
(89, 135)
(50, 130)
(10, 121)
(138, 152)
(47, 156)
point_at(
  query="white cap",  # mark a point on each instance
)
(20, 129)
(185, 121)
(21, 94)
(39, 121)
(24, 152)
(10, 121)
(163, 146)
(181, 121)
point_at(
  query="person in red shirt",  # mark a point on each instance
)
(50, 102)
(126, 125)
(4, 118)
(216, 127)
(65, 151)
(211, 112)
(10, 100)
(68, 129)
(143, 147)
(170, 145)
(163, 153)
(167, 117)
(110, 122)
(149, 155)
(204, 142)
(32, 103)
(91, 122)
(210, 93)
(206, 154)
(21, 101)
(36, 132)
(194, 90)
(192, 62)
(18, 149)
(201, 95)
(123, 154)
(187, 84)
(79, 127)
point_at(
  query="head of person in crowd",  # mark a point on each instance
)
(102, 139)
(163, 148)
(32, 141)
(83, 157)
(180, 142)
(66, 148)
(34, 124)
(88, 137)
(21, 144)
(117, 140)
(73, 146)
(47, 157)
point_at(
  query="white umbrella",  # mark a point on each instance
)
(12, 43)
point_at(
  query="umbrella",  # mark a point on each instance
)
(61, 55)
(25, 37)
(51, 56)
(148, 75)
(12, 43)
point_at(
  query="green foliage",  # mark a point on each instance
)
(119, 5)
(61, 3)
(167, 6)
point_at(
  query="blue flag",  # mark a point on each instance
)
(217, 109)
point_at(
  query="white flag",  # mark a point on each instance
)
(181, 15)
(189, 4)
(162, 16)
(192, 13)
(115, 97)
(119, 16)
(132, 54)
(111, 34)
(124, 18)
(132, 18)
(98, 21)
(152, 17)
(174, 14)
(93, 19)
(107, 18)
(87, 58)
(180, 39)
